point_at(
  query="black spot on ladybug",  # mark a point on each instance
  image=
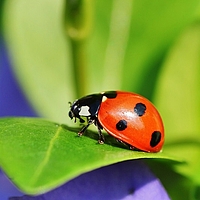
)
(155, 138)
(140, 109)
(110, 94)
(121, 125)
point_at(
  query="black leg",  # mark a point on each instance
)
(81, 132)
(99, 127)
(101, 137)
(126, 144)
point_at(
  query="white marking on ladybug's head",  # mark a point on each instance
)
(104, 98)
(84, 111)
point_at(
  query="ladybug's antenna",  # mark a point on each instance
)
(70, 104)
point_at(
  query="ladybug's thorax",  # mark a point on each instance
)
(87, 106)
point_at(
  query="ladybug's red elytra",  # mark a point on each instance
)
(129, 117)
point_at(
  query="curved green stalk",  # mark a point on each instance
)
(78, 14)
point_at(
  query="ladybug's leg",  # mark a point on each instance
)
(126, 144)
(94, 120)
(120, 141)
(90, 121)
(101, 137)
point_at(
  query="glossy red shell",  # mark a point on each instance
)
(139, 128)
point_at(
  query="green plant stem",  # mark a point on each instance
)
(79, 67)
(78, 15)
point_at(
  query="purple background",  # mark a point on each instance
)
(12, 103)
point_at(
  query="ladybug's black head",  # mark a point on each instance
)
(87, 106)
(75, 109)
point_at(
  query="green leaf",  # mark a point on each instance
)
(39, 155)
(130, 40)
(167, 175)
(178, 94)
(189, 151)
(40, 52)
(196, 193)
(178, 97)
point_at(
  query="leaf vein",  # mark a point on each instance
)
(42, 165)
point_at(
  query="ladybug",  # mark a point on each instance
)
(129, 117)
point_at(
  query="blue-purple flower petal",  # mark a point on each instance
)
(122, 181)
